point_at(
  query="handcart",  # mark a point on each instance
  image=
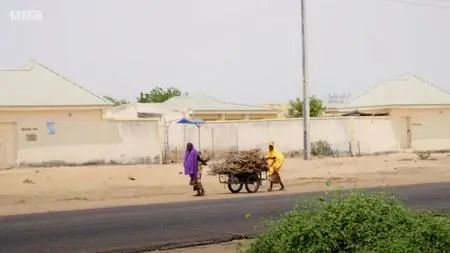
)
(237, 180)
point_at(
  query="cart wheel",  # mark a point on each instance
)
(235, 188)
(252, 183)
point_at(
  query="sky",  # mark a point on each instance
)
(244, 51)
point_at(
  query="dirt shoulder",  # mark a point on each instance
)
(26, 190)
(229, 247)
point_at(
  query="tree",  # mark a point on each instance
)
(316, 107)
(158, 95)
(116, 102)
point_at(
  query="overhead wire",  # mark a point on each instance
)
(426, 4)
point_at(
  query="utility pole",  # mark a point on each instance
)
(305, 85)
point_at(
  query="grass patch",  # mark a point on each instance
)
(355, 222)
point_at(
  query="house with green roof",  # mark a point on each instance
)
(211, 109)
(194, 106)
(38, 86)
(419, 111)
(41, 110)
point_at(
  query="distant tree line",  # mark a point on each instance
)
(155, 95)
(316, 108)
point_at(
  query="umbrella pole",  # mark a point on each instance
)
(198, 129)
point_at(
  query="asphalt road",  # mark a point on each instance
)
(130, 229)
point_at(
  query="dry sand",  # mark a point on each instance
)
(26, 190)
(229, 247)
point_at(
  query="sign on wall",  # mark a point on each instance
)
(25, 15)
(51, 129)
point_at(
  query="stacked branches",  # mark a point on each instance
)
(239, 162)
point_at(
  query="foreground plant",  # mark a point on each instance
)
(356, 222)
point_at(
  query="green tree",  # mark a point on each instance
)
(116, 102)
(316, 107)
(158, 95)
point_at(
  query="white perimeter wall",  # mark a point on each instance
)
(81, 137)
(368, 134)
(115, 141)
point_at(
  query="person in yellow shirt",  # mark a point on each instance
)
(274, 160)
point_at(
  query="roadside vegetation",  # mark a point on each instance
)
(321, 148)
(354, 222)
(423, 155)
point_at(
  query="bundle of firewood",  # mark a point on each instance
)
(240, 161)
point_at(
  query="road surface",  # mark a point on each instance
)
(130, 229)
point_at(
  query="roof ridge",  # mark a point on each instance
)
(233, 103)
(430, 84)
(406, 80)
(26, 67)
(201, 94)
(68, 80)
(216, 102)
(406, 74)
(368, 90)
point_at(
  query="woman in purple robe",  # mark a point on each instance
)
(191, 168)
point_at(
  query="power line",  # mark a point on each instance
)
(442, 1)
(423, 4)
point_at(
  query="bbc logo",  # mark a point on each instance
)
(25, 15)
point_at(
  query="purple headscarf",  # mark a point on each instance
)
(191, 162)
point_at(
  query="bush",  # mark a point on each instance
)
(321, 148)
(423, 155)
(357, 222)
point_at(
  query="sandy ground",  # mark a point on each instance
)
(230, 247)
(29, 190)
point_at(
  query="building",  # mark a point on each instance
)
(47, 119)
(419, 111)
(334, 102)
(211, 109)
(283, 109)
(143, 111)
(194, 106)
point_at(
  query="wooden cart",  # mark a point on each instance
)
(236, 181)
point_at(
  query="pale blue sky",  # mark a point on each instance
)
(246, 51)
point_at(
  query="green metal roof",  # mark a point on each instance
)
(200, 102)
(37, 85)
(407, 90)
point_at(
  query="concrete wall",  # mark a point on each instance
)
(345, 134)
(81, 137)
(430, 128)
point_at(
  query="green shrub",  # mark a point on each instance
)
(321, 148)
(356, 222)
(423, 155)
